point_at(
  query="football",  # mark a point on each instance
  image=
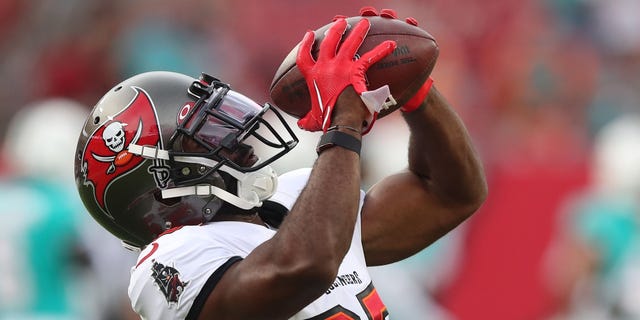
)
(404, 70)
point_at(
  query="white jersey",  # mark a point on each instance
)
(176, 273)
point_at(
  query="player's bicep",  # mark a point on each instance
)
(401, 216)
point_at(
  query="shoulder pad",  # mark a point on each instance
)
(290, 186)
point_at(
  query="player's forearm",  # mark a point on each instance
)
(320, 226)
(329, 204)
(441, 152)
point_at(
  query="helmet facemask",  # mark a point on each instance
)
(215, 136)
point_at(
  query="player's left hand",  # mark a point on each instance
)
(416, 101)
(335, 69)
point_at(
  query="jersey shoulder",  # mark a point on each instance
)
(174, 270)
(290, 185)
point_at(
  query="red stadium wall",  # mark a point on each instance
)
(500, 275)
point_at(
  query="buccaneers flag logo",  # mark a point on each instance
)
(168, 281)
(105, 157)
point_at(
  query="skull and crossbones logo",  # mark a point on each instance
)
(114, 137)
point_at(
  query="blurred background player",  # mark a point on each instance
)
(45, 271)
(41, 266)
(594, 265)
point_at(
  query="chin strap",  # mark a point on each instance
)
(253, 187)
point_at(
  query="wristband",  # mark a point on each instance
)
(341, 139)
(415, 102)
(338, 127)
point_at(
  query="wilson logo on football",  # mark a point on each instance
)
(105, 156)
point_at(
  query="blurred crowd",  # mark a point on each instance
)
(549, 90)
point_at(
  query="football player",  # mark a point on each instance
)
(170, 165)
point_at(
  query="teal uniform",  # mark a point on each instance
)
(37, 241)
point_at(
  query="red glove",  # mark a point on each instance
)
(335, 69)
(418, 98)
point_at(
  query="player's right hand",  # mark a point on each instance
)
(335, 69)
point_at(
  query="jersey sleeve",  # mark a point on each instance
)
(173, 278)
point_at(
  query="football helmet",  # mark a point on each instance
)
(162, 150)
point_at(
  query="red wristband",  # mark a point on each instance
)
(418, 98)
